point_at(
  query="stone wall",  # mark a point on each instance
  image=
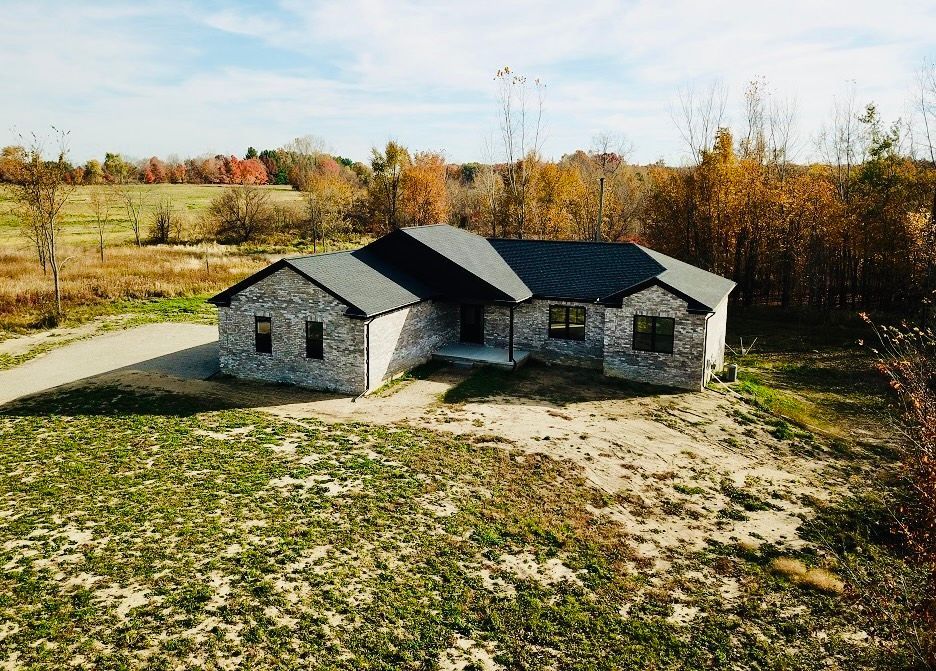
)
(290, 300)
(531, 332)
(407, 337)
(683, 368)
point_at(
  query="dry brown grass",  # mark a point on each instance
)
(815, 578)
(127, 273)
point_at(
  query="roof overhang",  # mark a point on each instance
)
(223, 299)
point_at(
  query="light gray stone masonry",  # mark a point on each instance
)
(289, 300)
(683, 368)
(531, 332)
(407, 337)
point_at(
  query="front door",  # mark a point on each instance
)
(472, 324)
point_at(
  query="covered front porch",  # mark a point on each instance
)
(472, 354)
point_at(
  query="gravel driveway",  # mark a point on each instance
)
(181, 350)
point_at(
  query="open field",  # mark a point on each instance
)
(91, 288)
(192, 200)
(550, 519)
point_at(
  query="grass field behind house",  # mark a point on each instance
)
(191, 201)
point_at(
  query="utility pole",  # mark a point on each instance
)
(600, 209)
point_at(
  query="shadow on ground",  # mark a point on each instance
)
(145, 389)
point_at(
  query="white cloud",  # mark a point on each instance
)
(184, 78)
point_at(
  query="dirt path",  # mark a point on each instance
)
(181, 350)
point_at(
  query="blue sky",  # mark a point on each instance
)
(188, 78)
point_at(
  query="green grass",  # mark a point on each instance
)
(155, 531)
(190, 200)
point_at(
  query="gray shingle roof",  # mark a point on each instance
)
(473, 253)
(597, 271)
(576, 270)
(415, 264)
(366, 283)
(707, 288)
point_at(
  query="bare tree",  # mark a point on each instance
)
(781, 134)
(609, 151)
(699, 116)
(840, 144)
(134, 201)
(241, 213)
(102, 205)
(41, 194)
(771, 123)
(521, 125)
(165, 222)
(491, 184)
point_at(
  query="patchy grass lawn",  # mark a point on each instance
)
(159, 531)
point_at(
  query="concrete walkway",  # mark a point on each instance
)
(181, 350)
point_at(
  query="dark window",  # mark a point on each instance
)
(654, 334)
(263, 332)
(315, 332)
(567, 323)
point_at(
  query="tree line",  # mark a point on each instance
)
(852, 229)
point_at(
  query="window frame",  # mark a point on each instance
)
(655, 334)
(567, 323)
(317, 352)
(266, 338)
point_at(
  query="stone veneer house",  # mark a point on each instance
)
(349, 321)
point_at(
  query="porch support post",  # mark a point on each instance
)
(510, 353)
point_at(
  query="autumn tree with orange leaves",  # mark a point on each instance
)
(423, 196)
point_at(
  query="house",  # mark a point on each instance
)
(348, 321)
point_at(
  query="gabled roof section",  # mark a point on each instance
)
(457, 264)
(366, 284)
(607, 271)
(705, 288)
(585, 271)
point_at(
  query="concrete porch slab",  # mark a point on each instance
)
(469, 354)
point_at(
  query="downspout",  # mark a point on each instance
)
(705, 349)
(510, 339)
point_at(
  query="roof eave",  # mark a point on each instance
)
(693, 305)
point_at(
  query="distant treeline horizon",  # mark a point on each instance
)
(857, 229)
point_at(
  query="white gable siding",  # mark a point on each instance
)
(715, 340)
(405, 338)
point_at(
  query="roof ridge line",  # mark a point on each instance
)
(316, 254)
(576, 242)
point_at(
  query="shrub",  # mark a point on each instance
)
(907, 359)
(815, 578)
